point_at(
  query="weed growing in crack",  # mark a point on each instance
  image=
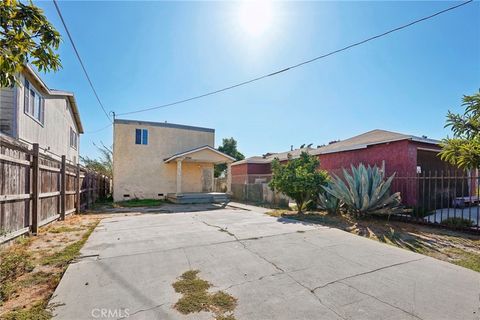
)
(196, 297)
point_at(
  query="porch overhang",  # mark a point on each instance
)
(204, 154)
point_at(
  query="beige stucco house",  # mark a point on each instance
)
(31, 112)
(158, 160)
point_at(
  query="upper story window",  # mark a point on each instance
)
(34, 103)
(73, 138)
(141, 136)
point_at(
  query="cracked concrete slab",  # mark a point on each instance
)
(277, 269)
(351, 304)
(227, 264)
(278, 297)
(429, 288)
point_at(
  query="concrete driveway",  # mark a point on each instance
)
(276, 270)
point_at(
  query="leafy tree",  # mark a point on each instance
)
(299, 179)
(463, 150)
(104, 164)
(25, 36)
(229, 146)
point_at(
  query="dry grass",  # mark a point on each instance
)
(452, 246)
(31, 267)
(196, 298)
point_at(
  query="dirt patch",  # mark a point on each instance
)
(452, 246)
(31, 267)
(196, 297)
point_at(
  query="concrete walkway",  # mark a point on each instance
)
(276, 270)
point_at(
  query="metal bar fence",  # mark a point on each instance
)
(449, 198)
(445, 198)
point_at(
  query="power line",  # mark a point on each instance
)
(98, 130)
(80, 59)
(301, 63)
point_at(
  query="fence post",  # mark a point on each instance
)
(63, 187)
(89, 186)
(77, 191)
(35, 187)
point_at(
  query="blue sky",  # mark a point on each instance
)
(143, 54)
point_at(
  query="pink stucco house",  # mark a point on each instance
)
(402, 154)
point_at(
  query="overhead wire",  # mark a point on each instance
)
(80, 59)
(301, 63)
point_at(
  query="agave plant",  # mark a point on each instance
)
(365, 191)
(328, 202)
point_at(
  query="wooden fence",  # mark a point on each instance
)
(36, 189)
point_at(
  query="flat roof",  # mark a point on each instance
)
(162, 124)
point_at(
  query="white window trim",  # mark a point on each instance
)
(31, 87)
(74, 135)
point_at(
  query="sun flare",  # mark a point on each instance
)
(255, 17)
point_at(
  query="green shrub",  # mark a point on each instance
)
(365, 191)
(299, 179)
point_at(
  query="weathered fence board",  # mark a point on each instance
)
(36, 189)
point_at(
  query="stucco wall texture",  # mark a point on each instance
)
(398, 156)
(140, 171)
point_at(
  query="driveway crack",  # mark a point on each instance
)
(380, 300)
(186, 257)
(281, 271)
(366, 272)
(243, 244)
(142, 310)
(253, 280)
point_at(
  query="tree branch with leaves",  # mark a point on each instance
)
(229, 146)
(104, 164)
(463, 149)
(26, 36)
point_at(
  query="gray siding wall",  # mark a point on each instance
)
(54, 133)
(8, 111)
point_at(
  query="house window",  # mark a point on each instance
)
(73, 139)
(141, 136)
(34, 103)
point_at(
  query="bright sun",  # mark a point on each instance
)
(255, 17)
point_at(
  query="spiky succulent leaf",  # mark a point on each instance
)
(328, 202)
(364, 191)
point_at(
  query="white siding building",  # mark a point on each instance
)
(33, 113)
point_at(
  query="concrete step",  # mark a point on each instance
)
(191, 198)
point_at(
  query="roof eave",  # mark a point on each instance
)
(180, 155)
(76, 113)
(61, 93)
